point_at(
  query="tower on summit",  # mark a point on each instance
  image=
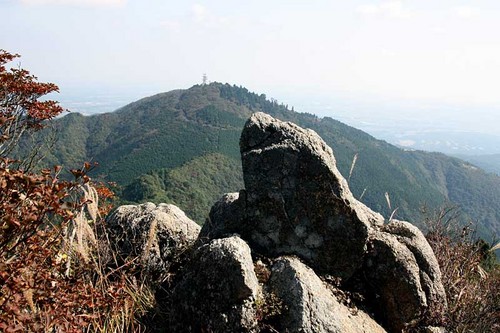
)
(205, 79)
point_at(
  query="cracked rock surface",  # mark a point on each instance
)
(403, 275)
(311, 306)
(295, 200)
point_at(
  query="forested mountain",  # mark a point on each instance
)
(194, 186)
(489, 162)
(182, 147)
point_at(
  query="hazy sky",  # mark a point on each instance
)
(426, 54)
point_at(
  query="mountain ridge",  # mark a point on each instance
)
(169, 130)
(487, 162)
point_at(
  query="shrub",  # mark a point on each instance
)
(54, 270)
(470, 278)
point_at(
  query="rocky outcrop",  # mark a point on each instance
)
(310, 304)
(299, 217)
(403, 276)
(152, 235)
(226, 216)
(295, 200)
(218, 290)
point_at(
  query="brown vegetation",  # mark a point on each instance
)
(471, 276)
(54, 273)
(53, 270)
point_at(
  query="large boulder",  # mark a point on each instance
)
(404, 278)
(310, 306)
(295, 205)
(218, 290)
(151, 235)
(295, 200)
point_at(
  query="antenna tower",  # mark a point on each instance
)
(205, 79)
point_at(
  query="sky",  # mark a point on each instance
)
(435, 61)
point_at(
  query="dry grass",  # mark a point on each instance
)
(150, 241)
(471, 280)
(353, 164)
(59, 279)
(138, 297)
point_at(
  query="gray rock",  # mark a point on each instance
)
(226, 217)
(218, 290)
(430, 274)
(404, 276)
(295, 200)
(311, 306)
(152, 235)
